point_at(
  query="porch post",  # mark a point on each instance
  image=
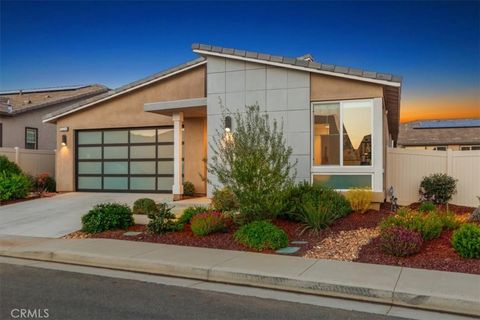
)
(177, 156)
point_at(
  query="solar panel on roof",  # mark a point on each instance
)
(469, 123)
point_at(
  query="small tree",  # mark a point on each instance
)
(254, 162)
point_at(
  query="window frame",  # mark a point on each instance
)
(36, 138)
(1, 135)
(341, 166)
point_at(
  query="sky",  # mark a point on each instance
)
(435, 46)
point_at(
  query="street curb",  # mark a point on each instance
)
(408, 298)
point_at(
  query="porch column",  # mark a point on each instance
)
(177, 155)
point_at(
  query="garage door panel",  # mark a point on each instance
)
(118, 152)
(115, 167)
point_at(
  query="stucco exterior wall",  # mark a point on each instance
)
(284, 94)
(124, 111)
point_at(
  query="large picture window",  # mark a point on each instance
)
(342, 133)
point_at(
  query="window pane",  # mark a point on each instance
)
(142, 167)
(139, 136)
(142, 152)
(165, 184)
(165, 167)
(89, 167)
(89, 182)
(115, 152)
(165, 151)
(117, 183)
(165, 135)
(120, 167)
(90, 137)
(115, 136)
(326, 136)
(89, 152)
(142, 183)
(31, 136)
(357, 133)
(344, 181)
(475, 147)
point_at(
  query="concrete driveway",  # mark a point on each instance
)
(59, 215)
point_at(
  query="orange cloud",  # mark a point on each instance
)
(454, 106)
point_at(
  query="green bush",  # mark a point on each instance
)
(224, 200)
(438, 188)
(293, 199)
(107, 216)
(466, 241)
(188, 189)
(189, 213)
(8, 166)
(449, 220)
(162, 220)
(427, 206)
(144, 206)
(205, 223)
(254, 162)
(316, 216)
(261, 235)
(13, 186)
(430, 225)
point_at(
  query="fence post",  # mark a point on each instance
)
(17, 155)
(449, 162)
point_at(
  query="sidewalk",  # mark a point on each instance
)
(423, 289)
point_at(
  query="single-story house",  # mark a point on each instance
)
(21, 113)
(338, 120)
(455, 134)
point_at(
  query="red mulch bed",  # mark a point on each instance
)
(28, 198)
(437, 254)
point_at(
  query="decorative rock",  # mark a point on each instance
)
(131, 233)
(298, 242)
(288, 250)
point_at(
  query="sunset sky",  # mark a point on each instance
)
(435, 46)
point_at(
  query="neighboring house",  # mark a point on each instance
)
(21, 114)
(338, 121)
(458, 134)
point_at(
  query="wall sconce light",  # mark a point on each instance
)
(64, 139)
(228, 124)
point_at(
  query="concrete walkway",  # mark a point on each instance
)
(61, 214)
(424, 289)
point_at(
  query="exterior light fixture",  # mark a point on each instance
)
(228, 124)
(64, 139)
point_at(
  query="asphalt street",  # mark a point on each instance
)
(52, 294)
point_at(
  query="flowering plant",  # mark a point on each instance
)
(400, 242)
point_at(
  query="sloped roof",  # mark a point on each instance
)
(359, 74)
(51, 117)
(19, 101)
(439, 132)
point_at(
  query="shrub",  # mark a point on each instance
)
(107, 216)
(13, 186)
(43, 183)
(188, 189)
(144, 206)
(261, 235)
(400, 242)
(8, 166)
(466, 241)
(162, 220)
(438, 188)
(254, 162)
(293, 199)
(359, 199)
(189, 213)
(430, 226)
(449, 220)
(205, 223)
(224, 200)
(427, 206)
(475, 216)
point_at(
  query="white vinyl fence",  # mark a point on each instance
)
(406, 168)
(32, 161)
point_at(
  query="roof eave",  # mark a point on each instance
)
(297, 67)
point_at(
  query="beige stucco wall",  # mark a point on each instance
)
(324, 87)
(125, 111)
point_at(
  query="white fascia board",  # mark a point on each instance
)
(306, 69)
(123, 92)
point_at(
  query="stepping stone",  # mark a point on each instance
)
(299, 242)
(288, 250)
(131, 233)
